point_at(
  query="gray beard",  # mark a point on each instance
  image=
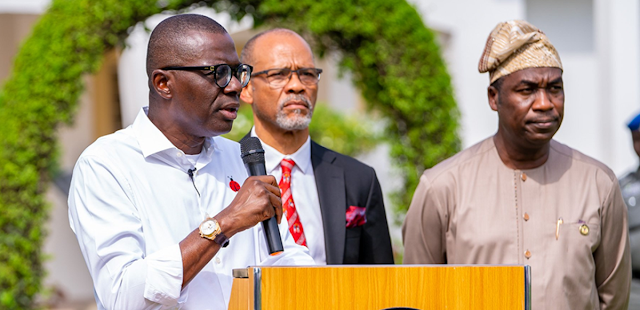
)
(294, 122)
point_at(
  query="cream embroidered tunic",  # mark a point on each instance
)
(472, 209)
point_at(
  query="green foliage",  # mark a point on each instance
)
(393, 57)
(350, 135)
(346, 134)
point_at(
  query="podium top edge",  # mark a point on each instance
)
(388, 265)
(244, 272)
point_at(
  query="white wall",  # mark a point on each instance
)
(618, 78)
(24, 6)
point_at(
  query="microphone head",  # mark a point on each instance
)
(251, 150)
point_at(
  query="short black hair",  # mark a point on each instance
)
(166, 46)
(246, 56)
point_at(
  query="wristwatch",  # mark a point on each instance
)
(210, 229)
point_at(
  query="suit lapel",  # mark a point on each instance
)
(332, 197)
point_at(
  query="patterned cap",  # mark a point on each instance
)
(515, 45)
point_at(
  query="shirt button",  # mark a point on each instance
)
(526, 216)
(527, 254)
(523, 176)
(179, 154)
(218, 260)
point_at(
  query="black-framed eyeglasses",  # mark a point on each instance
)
(279, 77)
(222, 73)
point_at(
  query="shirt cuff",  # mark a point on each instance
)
(164, 276)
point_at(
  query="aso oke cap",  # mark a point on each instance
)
(515, 45)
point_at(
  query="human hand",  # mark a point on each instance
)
(257, 200)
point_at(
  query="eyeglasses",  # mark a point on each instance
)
(278, 78)
(222, 73)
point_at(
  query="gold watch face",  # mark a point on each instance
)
(208, 227)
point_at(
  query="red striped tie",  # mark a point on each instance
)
(289, 207)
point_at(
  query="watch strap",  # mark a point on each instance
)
(221, 239)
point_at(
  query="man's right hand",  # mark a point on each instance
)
(257, 200)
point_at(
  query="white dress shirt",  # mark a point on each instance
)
(132, 201)
(304, 193)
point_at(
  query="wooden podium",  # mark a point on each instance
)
(382, 287)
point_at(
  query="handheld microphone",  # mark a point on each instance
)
(253, 157)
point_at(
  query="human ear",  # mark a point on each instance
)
(247, 94)
(161, 83)
(492, 95)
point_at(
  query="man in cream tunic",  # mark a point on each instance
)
(520, 197)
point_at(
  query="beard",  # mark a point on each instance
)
(297, 120)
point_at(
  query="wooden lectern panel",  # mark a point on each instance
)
(380, 287)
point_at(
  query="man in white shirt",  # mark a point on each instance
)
(333, 203)
(157, 208)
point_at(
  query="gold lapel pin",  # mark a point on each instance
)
(584, 229)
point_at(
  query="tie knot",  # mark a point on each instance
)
(287, 165)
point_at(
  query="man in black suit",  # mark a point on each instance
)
(333, 202)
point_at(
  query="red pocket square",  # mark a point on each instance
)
(356, 216)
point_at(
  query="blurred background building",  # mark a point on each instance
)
(598, 40)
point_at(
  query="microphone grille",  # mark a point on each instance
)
(251, 150)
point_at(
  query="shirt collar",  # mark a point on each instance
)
(153, 141)
(273, 157)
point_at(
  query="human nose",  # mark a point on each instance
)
(542, 102)
(234, 86)
(294, 85)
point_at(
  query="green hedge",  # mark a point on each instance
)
(391, 54)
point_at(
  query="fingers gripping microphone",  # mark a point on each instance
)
(253, 158)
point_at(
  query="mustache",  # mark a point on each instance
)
(296, 97)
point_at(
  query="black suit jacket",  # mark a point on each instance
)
(343, 181)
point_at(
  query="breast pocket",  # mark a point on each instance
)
(578, 241)
(579, 237)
